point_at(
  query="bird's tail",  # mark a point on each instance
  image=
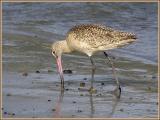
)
(127, 38)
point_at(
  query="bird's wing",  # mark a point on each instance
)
(99, 37)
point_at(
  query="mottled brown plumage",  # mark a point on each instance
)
(91, 38)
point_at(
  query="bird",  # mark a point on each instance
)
(90, 39)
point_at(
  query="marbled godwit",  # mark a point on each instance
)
(89, 39)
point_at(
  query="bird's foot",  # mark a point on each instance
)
(117, 92)
(92, 90)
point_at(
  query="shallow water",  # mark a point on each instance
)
(28, 32)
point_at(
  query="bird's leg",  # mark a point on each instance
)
(118, 89)
(93, 68)
(93, 71)
(62, 85)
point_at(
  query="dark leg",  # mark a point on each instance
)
(91, 90)
(62, 84)
(62, 87)
(118, 89)
(93, 72)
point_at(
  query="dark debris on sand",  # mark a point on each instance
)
(25, 74)
(67, 71)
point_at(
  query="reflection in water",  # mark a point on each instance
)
(58, 107)
(116, 92)
(114, 104)
(58, 104)
(92, 107)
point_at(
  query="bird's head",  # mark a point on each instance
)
(57, 53)
(58, 48)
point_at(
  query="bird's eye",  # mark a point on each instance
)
(54, 53)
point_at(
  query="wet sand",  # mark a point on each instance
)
(37, 94)
(31, 85)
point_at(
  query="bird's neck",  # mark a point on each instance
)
(64, 46)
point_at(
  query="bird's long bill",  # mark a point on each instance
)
(60, 70)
